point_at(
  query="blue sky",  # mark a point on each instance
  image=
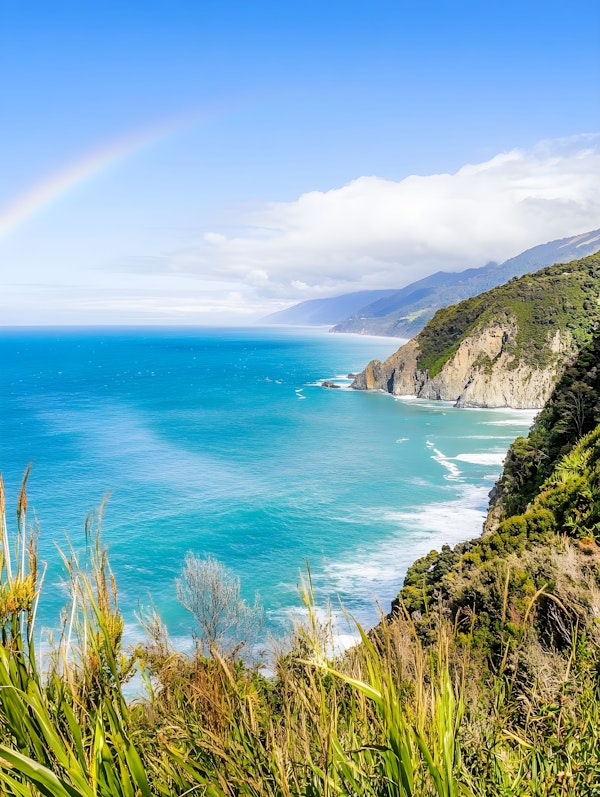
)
(202, 162)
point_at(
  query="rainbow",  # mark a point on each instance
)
(56, 185)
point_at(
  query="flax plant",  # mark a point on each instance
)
(418, 751)
(66, 735)
(20, 582)
(394, 716)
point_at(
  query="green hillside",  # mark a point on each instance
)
(560, 297)
(546, 502)
(524, 598)
(572, 410)
(549, 551)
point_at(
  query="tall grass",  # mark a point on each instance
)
(395, 716)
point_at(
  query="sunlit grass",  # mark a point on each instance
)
(398, 715)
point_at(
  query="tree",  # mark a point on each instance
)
(579, 407)
(211, 592)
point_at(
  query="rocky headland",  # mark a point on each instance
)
(504, 348)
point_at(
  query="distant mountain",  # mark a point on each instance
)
(327, 311)
(404, 312)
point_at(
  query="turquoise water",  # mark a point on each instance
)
(222, 442)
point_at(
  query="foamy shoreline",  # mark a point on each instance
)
(378, 576)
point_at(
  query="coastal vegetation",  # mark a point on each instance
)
(572, 410)
(484, 679)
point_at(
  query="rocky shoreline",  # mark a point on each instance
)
(481, 373)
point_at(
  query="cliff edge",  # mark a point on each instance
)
(504, 348)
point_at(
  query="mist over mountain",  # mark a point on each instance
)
(404, 312)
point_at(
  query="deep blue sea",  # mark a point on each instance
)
(223, 442)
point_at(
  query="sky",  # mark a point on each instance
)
(175, 162)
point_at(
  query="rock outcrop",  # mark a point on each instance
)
(571, 412)
(481, 373)
(506, 347)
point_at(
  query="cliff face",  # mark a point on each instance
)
(483, 372)
(573, 410)
(504, 348)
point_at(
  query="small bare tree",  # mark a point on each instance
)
(211, 592)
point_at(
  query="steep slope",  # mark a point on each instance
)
(531, 582)
(572, 410)
(534, 582)
(406, 312)
(504, 348)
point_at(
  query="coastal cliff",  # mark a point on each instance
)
(481, 373)
(572, 411)
(504, 348)
(541, 535)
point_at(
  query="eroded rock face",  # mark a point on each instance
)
(398, 374)
(482, 372)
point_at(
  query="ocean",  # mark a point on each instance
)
(223, 442)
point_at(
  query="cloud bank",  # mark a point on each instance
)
(378, 233)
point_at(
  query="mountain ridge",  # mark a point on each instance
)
(403, 312)
(325, 311)
(406, 319)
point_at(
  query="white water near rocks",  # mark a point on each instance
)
(223, 442)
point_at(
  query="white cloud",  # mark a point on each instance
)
(214, 238)
(162, 303)
(379, 233)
